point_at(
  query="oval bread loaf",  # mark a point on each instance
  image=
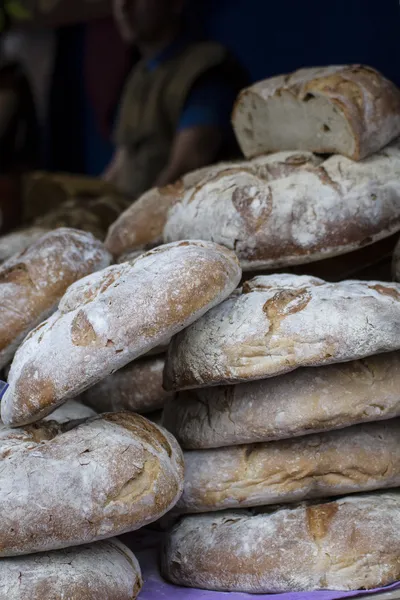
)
(141, 226)
(351, 110)
(356, 459)
(136, 387)
(104, 571)
(304, 401)
(349, 544)
(110, 318)
(277, 323)
(63, 487)
(298, 213)
(32, 283)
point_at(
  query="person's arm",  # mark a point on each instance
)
(193, 148)
(111, 173)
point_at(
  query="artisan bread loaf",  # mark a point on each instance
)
(349, 544)
(140, 227)
(304, 401)
(32, 283)
(136, 387)
(356, 459)
(63, 487)
(277, 323)
(18, 241)
(291, 211)
(104, 571)
(110, 318)
(351, 110)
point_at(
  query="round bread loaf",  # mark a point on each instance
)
(304, 401)
(18, 241)
(104, 571)
(349, 544)
(141, 226)
(356, 459)
(297, 214)
(63, 486)
(277, 323)
(136, 387)
(32, 283)
(110, 318)
(351, 110)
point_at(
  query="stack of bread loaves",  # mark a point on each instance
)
(72, 480)
(316, 368)
(296, 206)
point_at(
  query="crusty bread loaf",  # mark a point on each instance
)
(304, 401)
(136, 387)
(110, 318)
(356, 459)
(350, 110)
(18, 241)
(298, 212)
(104, 571)
(349, 544)
(141, 226)
(32, 282)
(277, 323)
(62, 487)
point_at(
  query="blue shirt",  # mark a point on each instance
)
(211, 99)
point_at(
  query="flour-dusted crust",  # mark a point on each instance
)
(351, 110)
(277, 323)
(110, 318)
(292, 209)
(104, 571)
(18, 241)
(349, 544)
(32, 282)
(136, 387)
(301, 402)
(62, 487)
(141, 226)
(356, 459)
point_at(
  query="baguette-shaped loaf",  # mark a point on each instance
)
(298, 212)
(110, 318)
(32, 282)
(136, 387)
(305, 401)
(356, 459)
(140, 227)
(277, 323)
(62, 487)
(350, 110)
(104, 571)
(349, 544)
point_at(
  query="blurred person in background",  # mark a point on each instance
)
(175, 111)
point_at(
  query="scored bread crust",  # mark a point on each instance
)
(355, 459)
(108, 319)
(292, 208)
(136, 387)
(140, 227)
(348, 544)
(106, 569)
(304, 401)
(33, 281)
(366, 104)
(62, 487)
(277, 323)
